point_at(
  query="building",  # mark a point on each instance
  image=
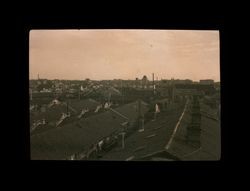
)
(209, 147)
(145, 82)
(150, 144)
(53, 111)
(207, 82)
(79, 136)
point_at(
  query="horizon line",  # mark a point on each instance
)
(124, 79)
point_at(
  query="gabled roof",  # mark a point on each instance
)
(41, 101)
(131, 110)
(209, 141)
(51, 114)
(78, 105)
(107, 91)
(152, 140)
(75, 107)
(59, 143)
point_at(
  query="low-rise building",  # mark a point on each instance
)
(207, 82)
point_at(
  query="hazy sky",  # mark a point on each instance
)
(124, 54)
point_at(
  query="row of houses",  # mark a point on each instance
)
(54, 111)
(81, 134)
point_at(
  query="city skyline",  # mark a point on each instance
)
(124, 54)
(149, 79)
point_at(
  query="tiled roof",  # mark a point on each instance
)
(74, 137)
(78, 105)
(153, 139)
(209, 141)
(54, 113)
(51, 114)
(157, 134)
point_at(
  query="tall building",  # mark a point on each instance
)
(145, 81)
(144, 78)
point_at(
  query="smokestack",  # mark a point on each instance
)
(38, 76)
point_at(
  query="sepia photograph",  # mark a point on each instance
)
(124, 95)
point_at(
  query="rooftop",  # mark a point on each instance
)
(153, 139)
(210, 147)
(59, 143)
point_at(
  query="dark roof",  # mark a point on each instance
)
(209, 140)
(55, 112)
(151, 144)
(107, 91)
(51, 114)
(130, 110)
(78, 105)
(41, 101)
(152, 140)
(59, 143)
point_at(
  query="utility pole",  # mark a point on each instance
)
(153, 84)
(142, 123)
(30, 94)
(109, 98)
(67, 107)
(140, 117)
(79, 94)
(122, 92)
(123, 141)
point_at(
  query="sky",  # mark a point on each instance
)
(124, 54)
